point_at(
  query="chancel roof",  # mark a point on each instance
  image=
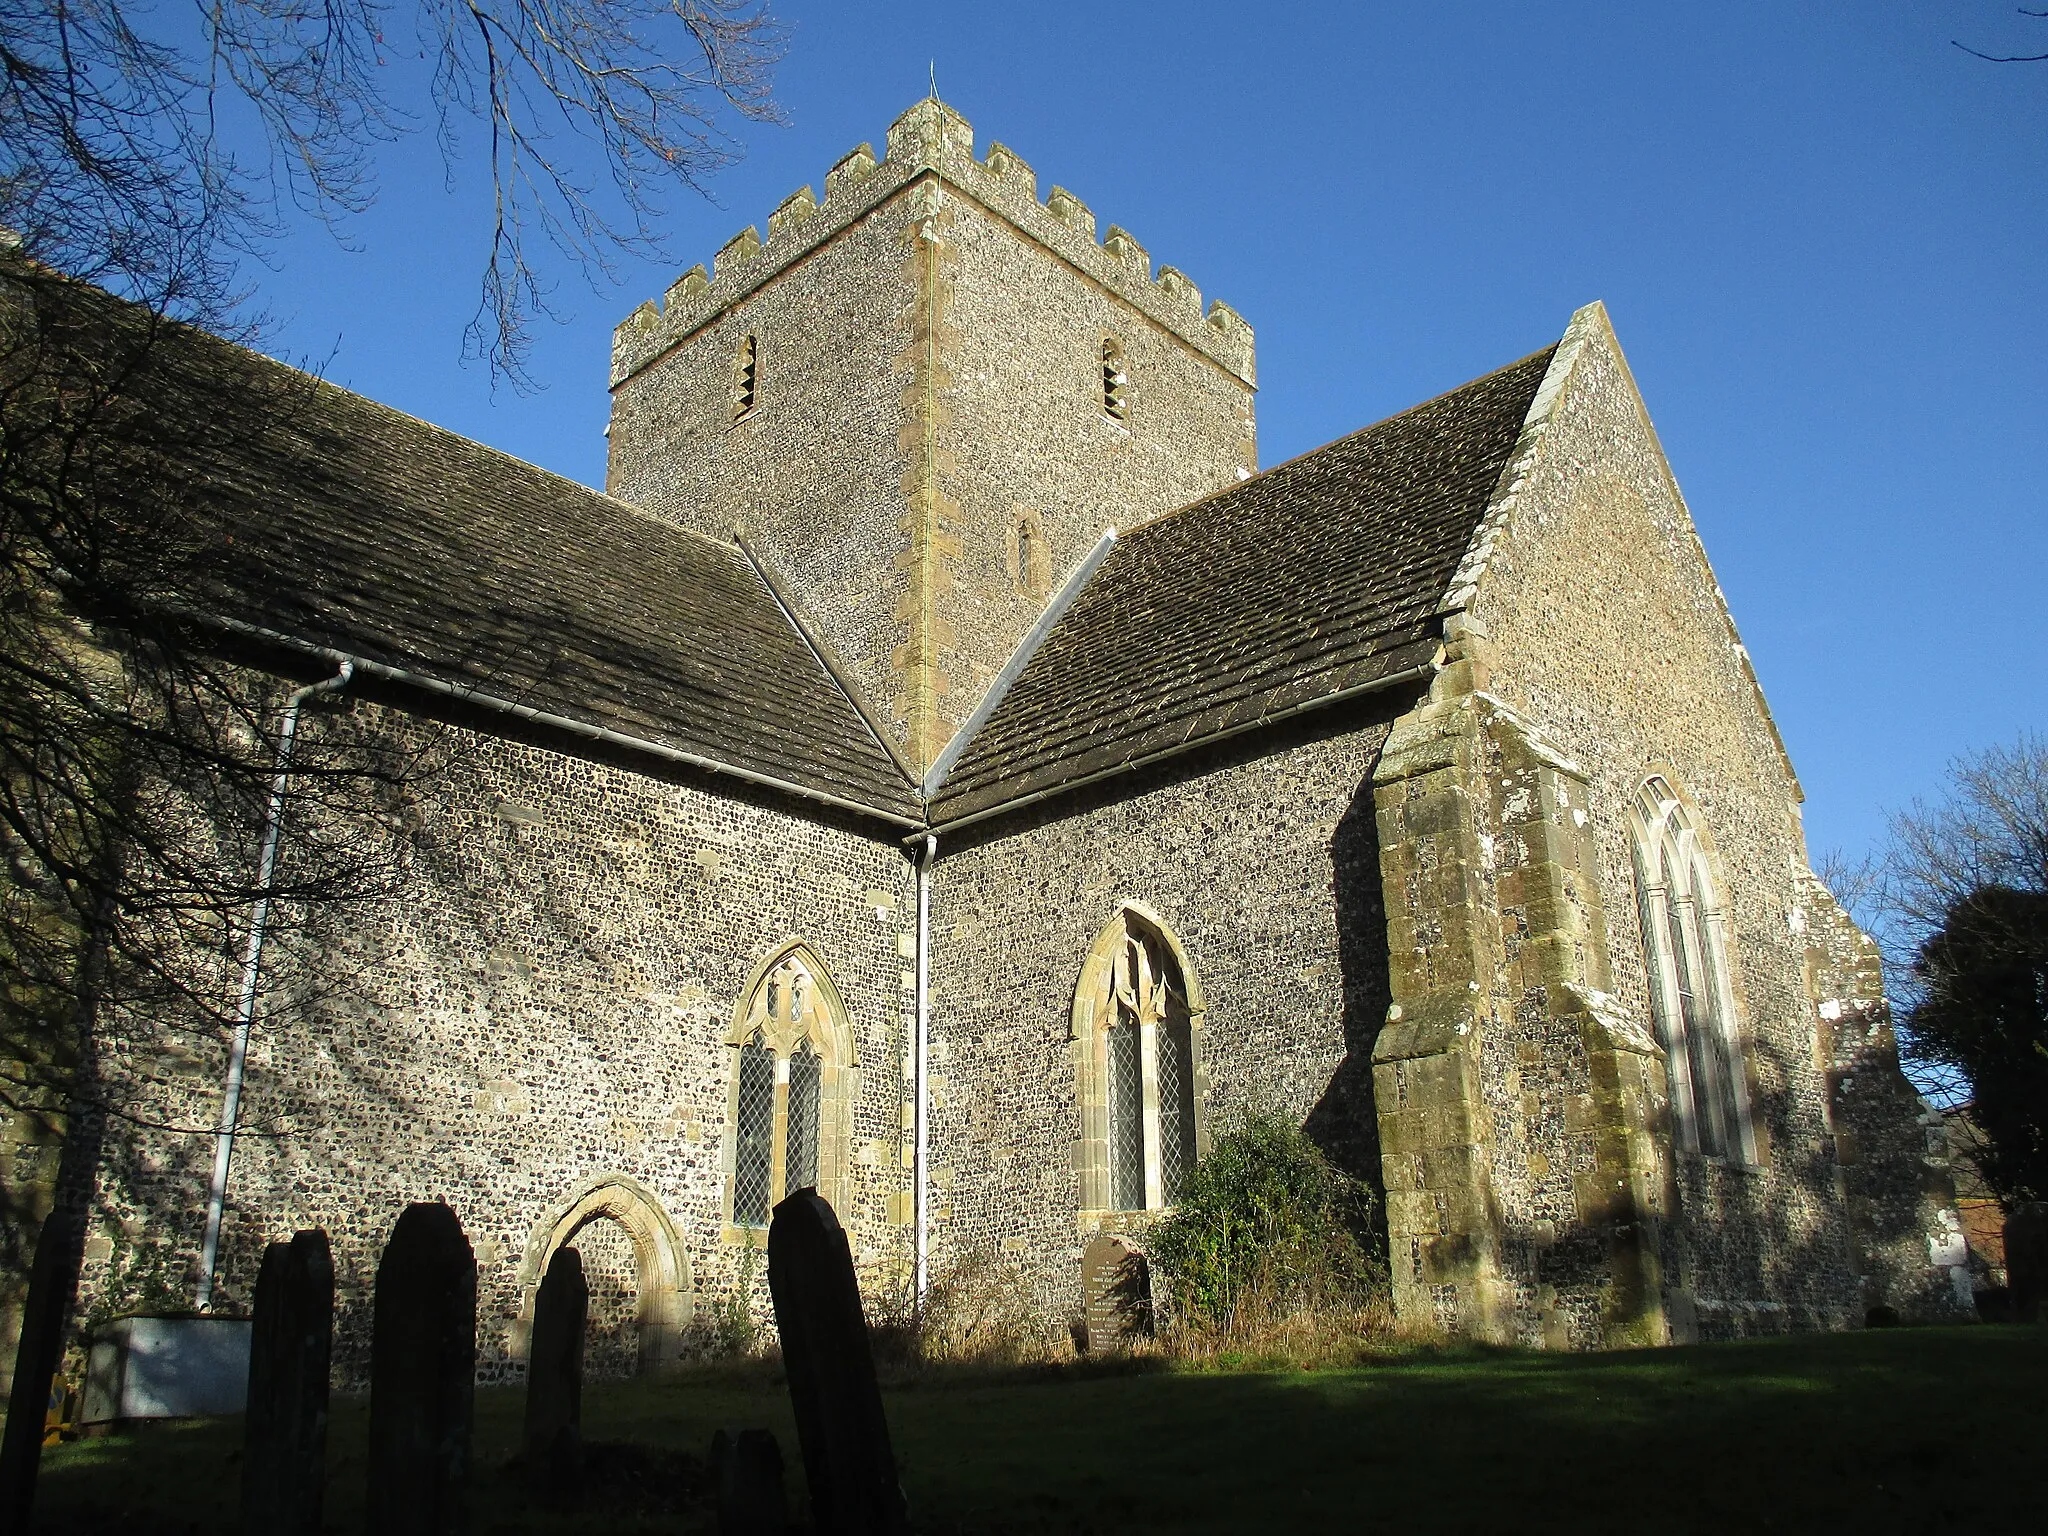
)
(1315, 578)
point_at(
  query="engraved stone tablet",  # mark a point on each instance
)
(1116, 1289)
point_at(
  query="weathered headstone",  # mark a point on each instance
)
(52, 1274)
(746, 1477)
(848, 1463)
(2026, 1260)
(1116, 1289)
(554, 1375)
(284, 1458)
(422, 1376)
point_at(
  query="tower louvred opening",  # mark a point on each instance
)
(1115, 381)
(746, 378)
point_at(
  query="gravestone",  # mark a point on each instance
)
(848, 1463)
(1116, 1290)
(746, 1478)
(554, 1375)
(51, 1276)
(284, 1455)
(422, 1376)
(2026, 1260)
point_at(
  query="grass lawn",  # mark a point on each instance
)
(1894, 1430)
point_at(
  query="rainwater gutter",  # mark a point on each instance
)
(476, 698)
(1427, 669)
(252, 970)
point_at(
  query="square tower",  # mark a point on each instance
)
(924, 398)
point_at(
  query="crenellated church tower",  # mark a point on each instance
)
(924, 399)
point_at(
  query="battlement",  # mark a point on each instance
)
(932, 139)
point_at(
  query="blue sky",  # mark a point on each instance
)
(1822, 232)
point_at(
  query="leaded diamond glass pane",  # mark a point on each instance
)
(1126, 1119)
(754, 1144)
(800, 1154)
(1649, 917)
(1176, 1107)
(1700, 1054)
(1721, 1041)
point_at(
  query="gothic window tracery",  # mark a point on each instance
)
(1685, 934)
(791, 1078)
(1140, 1073)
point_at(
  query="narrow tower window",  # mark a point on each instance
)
(1116, 381)
(1030, 560)
(746, 378)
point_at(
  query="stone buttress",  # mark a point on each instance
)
(1521, 1111)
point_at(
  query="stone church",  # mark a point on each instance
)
(943, 768)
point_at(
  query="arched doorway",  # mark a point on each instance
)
(611, 1269)
(640, 1292)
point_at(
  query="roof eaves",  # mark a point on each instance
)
(409, 679)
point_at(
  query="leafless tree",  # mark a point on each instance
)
(2010, 58)
(155, 149)
(147, 156)
(1959, 902)
(141, 761)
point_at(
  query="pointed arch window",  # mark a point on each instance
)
(1685, 932)
(1139, 1020)
(792, 1083)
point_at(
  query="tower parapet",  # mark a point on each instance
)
(932, 139)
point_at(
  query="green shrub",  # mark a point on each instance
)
(1266, 1221)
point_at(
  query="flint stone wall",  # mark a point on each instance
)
(1264, 863)
(1906, 1231)
(545, 1002)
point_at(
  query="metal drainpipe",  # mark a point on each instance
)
(920, 1077)
(252, 965)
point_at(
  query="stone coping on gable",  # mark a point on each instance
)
(932, 139)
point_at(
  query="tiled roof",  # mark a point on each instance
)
(1316, 577)
(345, 524)
(340, 523)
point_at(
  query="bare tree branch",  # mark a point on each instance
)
(116, 163)
(2006, 58)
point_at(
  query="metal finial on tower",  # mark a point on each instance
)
(935, 79)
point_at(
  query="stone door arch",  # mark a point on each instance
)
(664, 1301)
